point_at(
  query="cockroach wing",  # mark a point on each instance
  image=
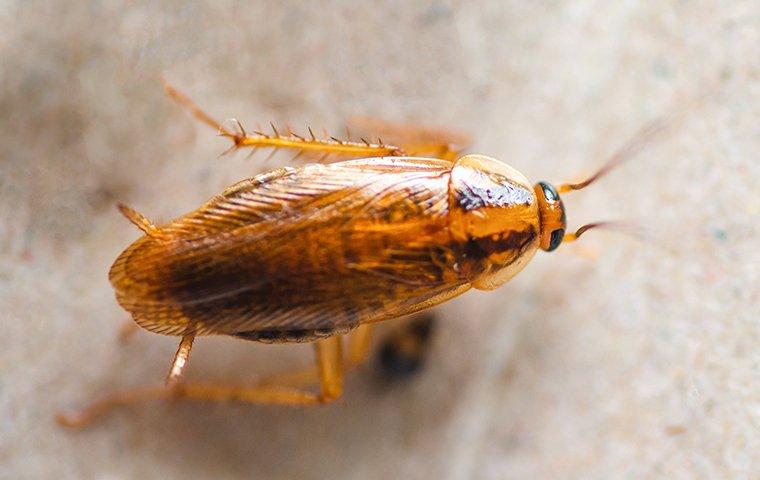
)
(297, 253)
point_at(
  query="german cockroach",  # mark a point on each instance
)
(313, 253)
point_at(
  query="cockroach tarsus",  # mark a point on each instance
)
(314, 253)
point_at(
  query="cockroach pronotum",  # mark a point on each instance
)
(313, 253)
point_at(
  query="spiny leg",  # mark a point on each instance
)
(330, 370)
(416, 140)
(302, 144)
(401, 354)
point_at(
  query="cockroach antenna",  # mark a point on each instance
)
(628, 228)
(552, 209)
(642, 139)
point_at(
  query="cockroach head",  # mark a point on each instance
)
(551, 209)
(553, 221)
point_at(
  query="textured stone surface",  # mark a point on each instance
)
(607, 359)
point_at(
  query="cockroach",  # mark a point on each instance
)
(313, 253)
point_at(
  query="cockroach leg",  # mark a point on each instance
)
(180, 360)
(329, 368)
(139, 220)
(299, 378)
(291, 141)
(194, 109)
(358, 345)
(103, 405)
(440, 150)
(329, 352)
(416, 140)
(357, 351)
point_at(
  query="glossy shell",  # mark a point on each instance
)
(299, 253)
(494, 215)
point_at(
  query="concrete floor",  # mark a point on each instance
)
(611, 358)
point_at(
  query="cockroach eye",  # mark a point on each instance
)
(549, 192)
(556, 239)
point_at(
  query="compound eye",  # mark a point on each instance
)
(556, 239)
(550, 194)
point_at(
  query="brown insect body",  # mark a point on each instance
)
(310, 253)
(301, 253)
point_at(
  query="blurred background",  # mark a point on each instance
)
(610, 358)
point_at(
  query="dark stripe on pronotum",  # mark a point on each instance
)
(483, 247)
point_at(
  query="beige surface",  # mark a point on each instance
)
(641, 363)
